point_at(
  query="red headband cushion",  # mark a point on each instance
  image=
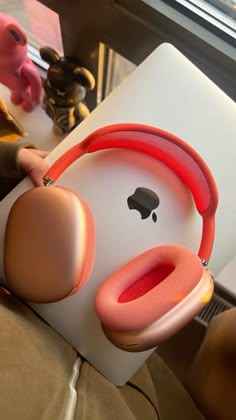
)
(172, 151)
(166, 147)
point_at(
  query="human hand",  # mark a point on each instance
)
(32, 163)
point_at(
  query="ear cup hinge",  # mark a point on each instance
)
(204, 262)
(47, 181)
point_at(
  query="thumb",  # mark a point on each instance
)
(36, 173)
(32, 165)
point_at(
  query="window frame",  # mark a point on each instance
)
(85, 23)
(211, 23)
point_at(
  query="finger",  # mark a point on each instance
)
(36, 173)
(40, 153)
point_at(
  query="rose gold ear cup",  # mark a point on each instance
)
(170, 323)
(49, 244)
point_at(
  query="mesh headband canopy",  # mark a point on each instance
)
(174, 152)
(189, 166)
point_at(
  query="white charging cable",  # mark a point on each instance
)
(70, 405)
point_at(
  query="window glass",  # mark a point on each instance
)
(219, 13)
(40, 23)
(117, 70)
(227, 6)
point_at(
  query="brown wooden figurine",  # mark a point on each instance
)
(65, 88)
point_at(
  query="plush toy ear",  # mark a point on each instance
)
(49, 55)
(85, 77)
(17, 34)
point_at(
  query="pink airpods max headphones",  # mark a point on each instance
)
(50, 246)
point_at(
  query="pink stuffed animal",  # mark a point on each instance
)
(17, 71)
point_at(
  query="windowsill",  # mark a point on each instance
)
(36, 123)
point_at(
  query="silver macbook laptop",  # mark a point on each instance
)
(169, 92)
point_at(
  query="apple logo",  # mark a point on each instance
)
(145, 201)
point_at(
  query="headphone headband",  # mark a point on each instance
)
(171, 150)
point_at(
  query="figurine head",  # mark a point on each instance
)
(13, 45)
(67, 82)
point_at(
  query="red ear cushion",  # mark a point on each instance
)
(147, 287)
(49, 244)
